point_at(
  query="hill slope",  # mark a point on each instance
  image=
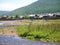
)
(40, 6)
(3, 12)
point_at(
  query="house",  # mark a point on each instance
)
(52, 16)
(56, 16)
(31, 16)
(34, 16)
(21, 17)
(4, 17)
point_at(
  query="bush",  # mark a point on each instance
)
(30, 37)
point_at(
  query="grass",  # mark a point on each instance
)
(44, 32)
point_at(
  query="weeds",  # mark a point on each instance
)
(49, 32)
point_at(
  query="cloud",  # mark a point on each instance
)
(7, 6)
(11, 5)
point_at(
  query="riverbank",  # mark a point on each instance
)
(41, 30)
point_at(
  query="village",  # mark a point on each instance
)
(31, 16)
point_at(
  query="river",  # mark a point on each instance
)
(9, 40)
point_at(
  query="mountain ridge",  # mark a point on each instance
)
(3, 12)
(38, 7)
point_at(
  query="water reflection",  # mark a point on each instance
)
(8, 40)
(1, 23)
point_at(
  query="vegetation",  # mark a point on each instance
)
(16, 16)
(48, 31)
(38, 7)
(3, 12)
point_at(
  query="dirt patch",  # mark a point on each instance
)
(8, 31)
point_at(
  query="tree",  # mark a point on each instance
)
(17, 16)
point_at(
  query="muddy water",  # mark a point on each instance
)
(9, 40)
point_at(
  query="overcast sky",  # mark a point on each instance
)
(9, 5)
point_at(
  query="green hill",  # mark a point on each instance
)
(38, 7)
(3, 12)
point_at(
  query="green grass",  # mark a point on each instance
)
(44, 32)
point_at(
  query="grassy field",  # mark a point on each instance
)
(42, 30)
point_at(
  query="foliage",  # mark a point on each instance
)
(16, 16)
(48, 32)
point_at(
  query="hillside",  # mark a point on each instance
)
(40, 6)
(3, 12)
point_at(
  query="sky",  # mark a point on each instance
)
(9, 5)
